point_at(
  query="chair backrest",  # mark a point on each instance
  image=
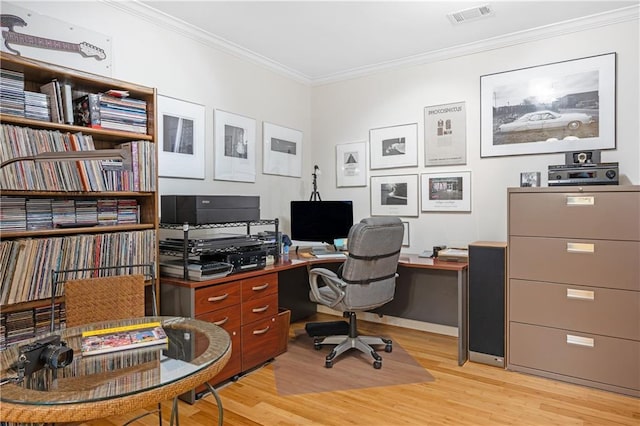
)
(104, 298)
(374, 249)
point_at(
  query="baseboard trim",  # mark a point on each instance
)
(446, 330)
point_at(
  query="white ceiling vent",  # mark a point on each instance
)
(470, 14)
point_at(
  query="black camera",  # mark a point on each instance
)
(48, 352)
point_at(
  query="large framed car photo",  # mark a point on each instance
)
(560, 107)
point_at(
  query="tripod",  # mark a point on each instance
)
(315, 195)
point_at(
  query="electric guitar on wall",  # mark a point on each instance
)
(8, 22)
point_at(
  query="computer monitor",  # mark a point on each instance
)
(321, 221)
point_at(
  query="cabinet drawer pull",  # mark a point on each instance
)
(218, 298)
(262, 331)
(580, 341)
(259, 310)
(222, 321)
(580, 200)
(572, 293)
(260, 287)
(581, 248)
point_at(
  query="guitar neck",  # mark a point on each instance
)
(41, 42)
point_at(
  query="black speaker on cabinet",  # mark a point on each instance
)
(487, 283)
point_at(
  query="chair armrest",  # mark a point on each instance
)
(332, 281)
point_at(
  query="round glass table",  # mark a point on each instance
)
(98, 386)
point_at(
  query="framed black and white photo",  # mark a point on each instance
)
(558, 107)
(281, 150)
(351, 167)
(181, 133)
(235, 147)
(395, 146)
(530, 179)
(446, 192)
(445, 135)
(405, 236)
(394, 195)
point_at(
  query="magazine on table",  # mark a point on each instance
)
(133, 336)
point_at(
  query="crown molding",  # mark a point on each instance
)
(149, 14)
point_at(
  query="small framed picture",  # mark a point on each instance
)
(351, 168)
(395, 146)
(405, 237)
(446, 192)
(394, 195)
(282, 150)
(530, 179)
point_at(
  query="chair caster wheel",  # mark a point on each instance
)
(317, 346)
(388, 348)
(377, 365)
(328, 364)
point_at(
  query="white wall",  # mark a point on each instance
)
(147, 53)
(345, 111)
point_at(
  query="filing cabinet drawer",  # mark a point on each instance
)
(595, 263)
(598, 215)
(229, 320)
(215, 297)
(591, 357)
(259, 342)
(260, 286)
(259, 309)
(584, 309)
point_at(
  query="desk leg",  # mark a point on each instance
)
(463, 297)
(218, 401)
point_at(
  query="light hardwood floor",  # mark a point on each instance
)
(474, 394)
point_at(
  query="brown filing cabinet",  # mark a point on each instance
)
(247, 308)
(574, 285)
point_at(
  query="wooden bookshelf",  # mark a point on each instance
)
(36, 74)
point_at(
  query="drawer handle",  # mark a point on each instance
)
(580, 200)
(580, 341)
(218, 298)
(222, 321)
(264, 330)
(260, 287)
(572, 293)
(581, 248)
(259, 310)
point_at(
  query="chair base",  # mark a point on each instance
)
(352, 341)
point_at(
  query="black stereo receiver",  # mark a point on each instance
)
(241, 260)
(584, 174)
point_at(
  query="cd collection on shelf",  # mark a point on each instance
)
(22, 213)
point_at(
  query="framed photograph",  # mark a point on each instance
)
(282, 150)
(394, 195)
(446, 192)
(181, 132)
(563, 106)
(235, 146)
(405, 236)
(351, 167)
(445, 135)
(530, 179)
(395, 146)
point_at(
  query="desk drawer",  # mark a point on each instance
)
(576, 355)
(229, 320)
(259, 342)
(603, 311)
(259, 309)
(260, 286)
(598, 263)
(598, 215)
(209, 299)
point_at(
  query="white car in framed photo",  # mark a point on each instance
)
(541, 120)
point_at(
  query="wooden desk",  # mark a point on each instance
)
(290, 275)
(118, 382)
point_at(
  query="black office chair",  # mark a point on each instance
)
(365, 281)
